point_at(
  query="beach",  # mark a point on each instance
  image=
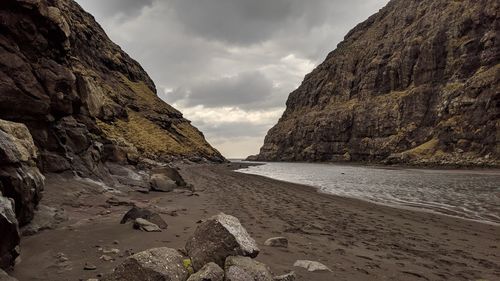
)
(356, 239)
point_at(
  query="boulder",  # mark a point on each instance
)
(218, 238)
(9, 234)
(5, 277)
(146, 214)
(239, 268)
(280, 242)
(286, 277)
(311, 265)
(20, 178)
(162, 183)
(210, 272)
(171, 173)
(145, 225)
(159, 264)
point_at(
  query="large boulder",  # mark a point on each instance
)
(141, 213)
(246, 269)
(20, 178)
(159, 264)
(210, 272)
(218, 238)
(171, 173)
(9, 234)
(162, 183)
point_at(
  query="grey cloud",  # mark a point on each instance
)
(234, 129)
(122, 8)
(245, 90)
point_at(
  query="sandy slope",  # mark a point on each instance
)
(357, 240)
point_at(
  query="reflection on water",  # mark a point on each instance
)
(468, 194)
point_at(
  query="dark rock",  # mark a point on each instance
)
(45, 218)
(217, 238)
(146, 214)
(160, 264)
(5, 277)
(281, 242)
(210, 272)
(246, 269)
(397, 91)
(171, 173)
(9, 233)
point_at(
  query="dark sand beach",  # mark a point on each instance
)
(356, 239)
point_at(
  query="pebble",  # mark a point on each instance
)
(89, 267)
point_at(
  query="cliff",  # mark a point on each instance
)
(84, 100)
(416, 83)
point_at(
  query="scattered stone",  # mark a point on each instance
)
(117, 201)
(210, 272)
(89, 267)
(5, 277)
(280, 242)
(106, 258)
(218, 238)
(146, 214)
(162, 183)
(286, 277)
(9, 233)
(154, 264)
(110, 251)
(244, 268)
(116, 242)
(145, 225)
(311, 265)
(92, 279)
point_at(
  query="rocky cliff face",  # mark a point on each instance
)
(418, 82)
(83, 99)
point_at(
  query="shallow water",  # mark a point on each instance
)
(471, 194)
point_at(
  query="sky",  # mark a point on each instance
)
(229, 65)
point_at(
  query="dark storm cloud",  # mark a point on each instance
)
(247, 89)
(123, 8)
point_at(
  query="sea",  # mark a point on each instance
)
(469, 194)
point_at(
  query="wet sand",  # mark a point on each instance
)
(356, 239)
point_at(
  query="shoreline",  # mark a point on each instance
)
(358, 240)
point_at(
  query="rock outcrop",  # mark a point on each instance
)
(9, 233)
(83, 99)
(417, 83)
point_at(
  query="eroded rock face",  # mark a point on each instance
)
(20, 178)
(9, 233)
(83, 99)
(218, 238)
(415, 83)
(159, 264)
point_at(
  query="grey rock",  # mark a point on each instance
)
(162, 183)
(45, 218)
(171, 173)
(145, 225)
(280, 242)
(159, 264)
(311, 265)
(210, 272)
(218, 238)
(146, 214)
(239, 268)
(9, 233)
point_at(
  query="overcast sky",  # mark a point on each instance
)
(229, 65)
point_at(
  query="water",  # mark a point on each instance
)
(467, 194)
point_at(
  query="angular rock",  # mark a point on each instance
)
(5, 277)
(280, 242)
(162, 183)
(171, 173)
(239, 268)
(20, 178)
(311, 265)
(145, 225)
(210, 272)
(159, 264)
(286, 277)
(218, 238)
(146, 214)
(9, 234)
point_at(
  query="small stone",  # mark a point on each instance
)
(145, 225)
(281, 242)
(286, 277)
(116, 242)
(111, 251)
(89, 267)
(106, 258)
(311, 265)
